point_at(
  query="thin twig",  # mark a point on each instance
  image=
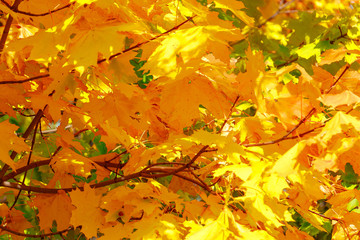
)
(338, 79)
(288, 62)
(323, 216)
(25, 80)
(147, 41)
(25, 136)
(44, 14)
(311, 112)
(6, 4)
(148, 173)
(229, 115)
(199, 183)
(29, 158)
(276, 13)
(205, 186)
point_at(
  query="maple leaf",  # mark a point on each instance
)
(337, 124)
(53, 207)
(181, 99)
(88, 215)
(49, 38)
(236, 8)
(190, 44)
(85, 46)
(293, 160)
(62, 80)
(247, 110)
(345, 98)
(67, 161)
(10, 142)
(15, 219)
(226, 145)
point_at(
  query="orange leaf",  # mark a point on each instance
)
(345, 98)
(9, 141)
(53, 207)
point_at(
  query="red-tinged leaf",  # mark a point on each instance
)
(15, 219)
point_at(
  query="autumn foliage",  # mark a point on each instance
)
(180, 119)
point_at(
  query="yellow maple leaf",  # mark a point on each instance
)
(62, 80)
(264, 210)
(215, 230)
(243, 171)
(235, 7)
(87, 213)
(336, 125)
(191, 44)
(85, 46)
(225, 145)
(51, 38)
(294, 159)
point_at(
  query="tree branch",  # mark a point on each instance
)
(25, 136)
(8, 25)
(142, 173)
(36, 14)
(6, 4)
(25, 80)
(32, 235)
(46, 162)
(30, 154)
(104, 59)
(44, 14)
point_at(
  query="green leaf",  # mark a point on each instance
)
(352, 204)
(306, 28)
(349, 178)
